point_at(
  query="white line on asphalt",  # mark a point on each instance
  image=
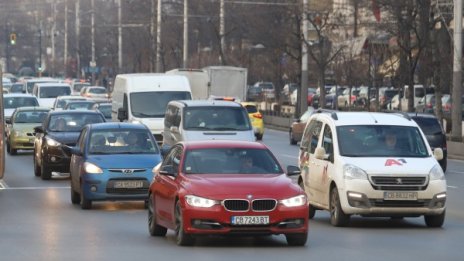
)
(33, 188)
(455, 171)
(289, 156)
(3, 185)
(454, 187)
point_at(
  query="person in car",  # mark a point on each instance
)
(248, 165)
(390, 141)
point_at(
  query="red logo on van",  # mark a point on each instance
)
(391, 162)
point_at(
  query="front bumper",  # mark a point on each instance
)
(217, 220)
(359, 197)
(22, 142)
(56, 159)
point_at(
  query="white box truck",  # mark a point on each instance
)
(227, 81)
(143, 97)
(198, 79)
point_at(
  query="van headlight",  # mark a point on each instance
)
(92, 168)
(294, 201)
(436, 173)
(199, 202)
(353, 172)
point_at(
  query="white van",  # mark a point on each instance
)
(29, 83)
(206, 120)
(198, 79)
(419, 93)
(142, 98)
(371, 164)
(47, 92)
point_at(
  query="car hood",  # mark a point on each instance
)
(125, 161)
(219, 186)
(394, 165)
(68, 138)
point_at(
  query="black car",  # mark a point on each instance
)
(434, 133)
(59, 127)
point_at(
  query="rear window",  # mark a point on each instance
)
(15, 102)
(216, 118)
(429, 126)
(54, 91)
(251, 108)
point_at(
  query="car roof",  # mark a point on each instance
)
(211, 144)
(54, 84)
(74, 112)
(18, 95)
(31, 108)
(203, 103)
(367, 118)
(118, 125)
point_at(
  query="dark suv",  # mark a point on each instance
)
(434, 133)
(59, 128)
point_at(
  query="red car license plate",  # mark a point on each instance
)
(250, 220)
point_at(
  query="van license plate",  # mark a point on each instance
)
(250, 220)
(391, 195)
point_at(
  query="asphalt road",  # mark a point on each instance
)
(38, 222)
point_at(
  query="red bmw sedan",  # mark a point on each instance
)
(225, 188)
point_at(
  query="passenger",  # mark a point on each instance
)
(60, 124)
(390, 140)
(248, 165)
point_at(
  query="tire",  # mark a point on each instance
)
(85, 203)
(75, 196)
(292, 139)
(435, 220)
(8, 146)
(46, 172)
(337, 217)
(13, 151)
(37, 169)
(259, 136)
(312, 210)
(154, 229)
(182, 238)
(296, 239)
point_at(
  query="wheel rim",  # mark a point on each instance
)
(178, 221)
(333, 206)
(150, 212)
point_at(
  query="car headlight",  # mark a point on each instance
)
(92, 168)
(18, 133)
(353, 172)
(294, 201)
(436, 173)
(52, 142)
(200, 202)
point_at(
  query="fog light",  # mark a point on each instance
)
(93, 188)
(441, 196)
(196, 222)
(53, 159)
(355, 195)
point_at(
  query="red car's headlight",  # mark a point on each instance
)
(294, 201)
(200, 202)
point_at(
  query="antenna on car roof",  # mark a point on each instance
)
(400, 113)
(333, 113)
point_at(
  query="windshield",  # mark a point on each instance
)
(251, 108)
(230, 161)
(97, 90)
(381, 141)
(106, 110)
(16, 88)
(79, 105)
(153, 104)
(54, 91)
(216, 118)
(122, 141)
(78, 86)
(15, 102)
(30, 116)
(61, 103)
(72, 122)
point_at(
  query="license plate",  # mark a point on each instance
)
(391, 195)
(128, 184)
(250, 220)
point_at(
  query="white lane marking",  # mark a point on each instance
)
(3, 185)
(289, 156)
(35, 188)
(455, 171)
(454, 187)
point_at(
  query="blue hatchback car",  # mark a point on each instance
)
(112, 161)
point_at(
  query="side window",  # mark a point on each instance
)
(173, 158)
(327, 142)
(81, 140)
(305, 138)
(315, 133)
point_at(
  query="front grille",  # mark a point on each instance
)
(399, 203)
(126, 171)
(236, 204)
(399, 183)
(264, 204)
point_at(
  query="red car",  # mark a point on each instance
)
(223, 188)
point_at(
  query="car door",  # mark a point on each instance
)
(322, 173)
(77, 161)
(166, 187)
(315, 165)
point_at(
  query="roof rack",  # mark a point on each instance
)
(401, 113)
(333, 113)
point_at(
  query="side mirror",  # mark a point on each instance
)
(293, 170)
(168, 171)
(71, 150)
(320, 153)
(122, 114)
(38, 129)
(438, 153)
(8, 121)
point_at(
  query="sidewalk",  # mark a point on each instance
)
(455, 150)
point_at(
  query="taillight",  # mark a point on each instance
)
(258, 115)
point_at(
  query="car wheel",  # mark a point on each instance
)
(292, 139)
(435, 220)
(46, 172)
(182, 238)
(337, 217)
(75, 196)
(297, 239)
(85, 203)
(8, 146)
(259, 136)
(312, 210)
(443, 164)
(13, 151)
(154, 229)
(37, 170)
